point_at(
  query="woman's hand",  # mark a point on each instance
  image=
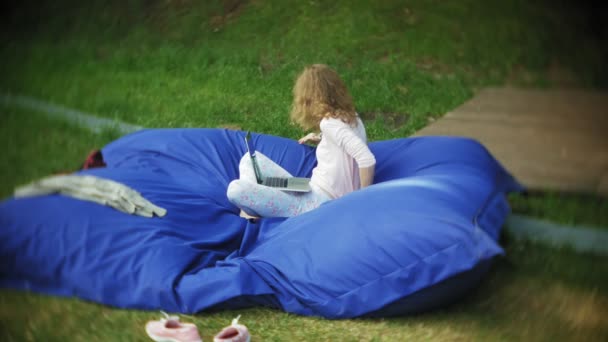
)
(310, 138)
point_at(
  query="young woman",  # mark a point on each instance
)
(322, 103)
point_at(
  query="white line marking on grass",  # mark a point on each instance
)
(90, 121)
(579, 238)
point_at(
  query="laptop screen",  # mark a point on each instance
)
(254, 162)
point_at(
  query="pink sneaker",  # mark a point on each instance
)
(233, 333)
(169, 329)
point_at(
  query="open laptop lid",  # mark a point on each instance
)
(251, 152)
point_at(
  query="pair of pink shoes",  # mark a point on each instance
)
(170, 329)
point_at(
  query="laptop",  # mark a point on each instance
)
(297, 184)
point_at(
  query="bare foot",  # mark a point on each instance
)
(247, 216)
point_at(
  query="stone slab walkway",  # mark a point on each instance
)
(548, 139)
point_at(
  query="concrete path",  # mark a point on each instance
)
(548, 139)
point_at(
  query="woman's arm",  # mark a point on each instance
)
(366, 174)
(345, 138)
(311, 138)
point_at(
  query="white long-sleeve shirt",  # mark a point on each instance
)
(341, 152)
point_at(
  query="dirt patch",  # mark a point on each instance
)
(434, 67)
(231, 10)
(556, 74)
(231, 127)
(265, 64)
(560, 76)
(580, 310)
(161, 14)
(583, 312)
(269, 61)
(156, 12)
(520, 76)
(391, 121)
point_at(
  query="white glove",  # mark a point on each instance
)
(95, 189)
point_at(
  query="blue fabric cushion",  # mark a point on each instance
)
(420, 238)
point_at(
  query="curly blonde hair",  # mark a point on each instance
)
(318, 93)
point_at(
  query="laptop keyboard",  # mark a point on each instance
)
(276, 182)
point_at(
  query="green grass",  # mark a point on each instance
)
(566, 209)
(213, 63)
(35, 146)
(185, 63)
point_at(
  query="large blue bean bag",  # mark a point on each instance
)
(419, 238)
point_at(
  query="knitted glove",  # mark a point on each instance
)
(95, 189)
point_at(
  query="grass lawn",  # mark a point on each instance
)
(232, 63)
(565, 209)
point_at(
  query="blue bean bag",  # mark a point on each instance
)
(420, 237)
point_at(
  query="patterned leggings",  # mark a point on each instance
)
(263, 201)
